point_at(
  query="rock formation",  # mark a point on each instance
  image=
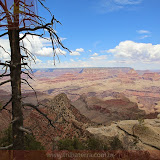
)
(66, 118)
(100, 111)
(134, 134)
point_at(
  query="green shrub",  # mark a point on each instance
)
(7, 137)
(30, 142)
(76, 144)
(70, 144)
(116, 144)
(0, 104)
(96, 144)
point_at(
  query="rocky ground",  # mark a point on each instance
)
(134, 135)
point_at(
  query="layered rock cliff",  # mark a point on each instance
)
(106, 111)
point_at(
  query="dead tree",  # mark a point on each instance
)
(19, 18)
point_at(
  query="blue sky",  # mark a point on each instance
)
(103, 33)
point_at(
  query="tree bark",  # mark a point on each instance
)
(15, 73)
(15, 69)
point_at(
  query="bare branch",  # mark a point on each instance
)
(2, 83)
(14, 120)
(24, 64)
(36, 28)
(31, 88)
(25, 130)
(5, 70)
(4, 75)
(45, 7)
(43, 114)
(30, 71)
(33, 34)
(4, 49)
(3, 34)
(4, 7)
(52, 31)
(27, 74)
(28, 53)
(40, 112)
(4, 107)
(4, 64)
(7, 147)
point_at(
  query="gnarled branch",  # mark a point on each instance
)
(7, 147)
(41, 113)
(3, 34)
(2, 83)
(25, 130)
(30, 87)
(4, 75)
(4, 107)
(33, 34)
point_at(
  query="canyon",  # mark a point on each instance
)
(141, 87)
(81, 100)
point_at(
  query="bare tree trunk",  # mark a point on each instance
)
(15, 73)
(15, 69)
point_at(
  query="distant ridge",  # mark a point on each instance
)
(80, 68)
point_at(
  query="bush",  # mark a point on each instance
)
(96, 144)
(30, 142)
(76, 144)
(116, 144)
(70, 144)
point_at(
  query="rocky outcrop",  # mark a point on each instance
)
(151, 76)
(66, 119)
(106, 111)
(134, 134)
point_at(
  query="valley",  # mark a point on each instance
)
(83, 98)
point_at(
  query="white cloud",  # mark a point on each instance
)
(58, 51)
(62, 39)
(3, 55)
(143, 52)
(102, 57)
(68, 64)
(97, 63)
(90, 50)
(143, 32)
(127, 2)
(115, 5)
(36, 45)
(41, 47)
(38, 61)
(145, 36)
(48, 52)
(95, 54)
(74, 53)
(79, 50)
